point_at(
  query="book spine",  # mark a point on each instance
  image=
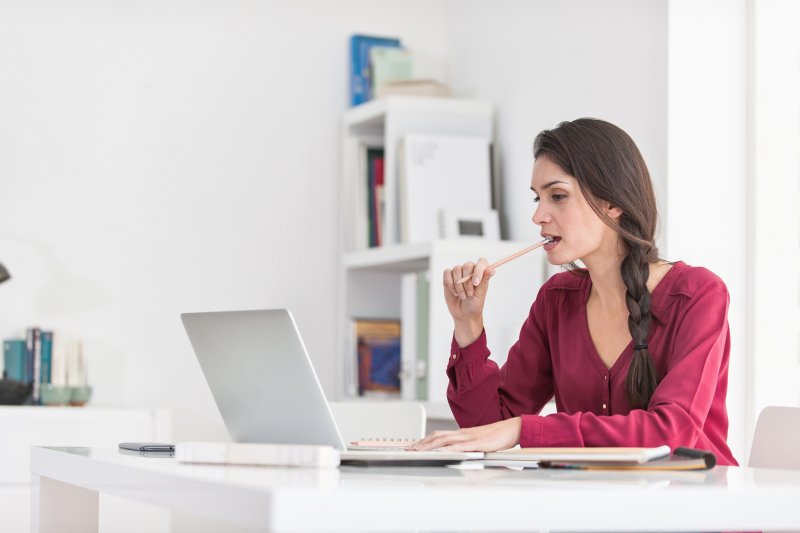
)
(371, 197)
(357, 93)
(7, 359)
(47, 357)
(380, 201)
(373, 156)
(359, 65)
(27, 376)
(14, 359)
(37, 365)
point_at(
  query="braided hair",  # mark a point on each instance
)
(609, 167)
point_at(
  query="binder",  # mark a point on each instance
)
(681, 459)
(658, 458)
(617, 455)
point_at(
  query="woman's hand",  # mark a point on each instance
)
(489, 438)
(465, 300)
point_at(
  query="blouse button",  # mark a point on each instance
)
(605, 378)
(454, 356)
(604, 406)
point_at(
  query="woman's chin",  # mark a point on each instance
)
(555, 258)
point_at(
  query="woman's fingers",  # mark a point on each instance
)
(477, 273)
(447, 279)
(439, 439)
(463, 290)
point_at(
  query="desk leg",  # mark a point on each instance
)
(60, 507)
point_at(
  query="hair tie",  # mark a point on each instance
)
(640, 347)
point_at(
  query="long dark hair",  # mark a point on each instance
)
(609, 167)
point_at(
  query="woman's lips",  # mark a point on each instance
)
(549, 246)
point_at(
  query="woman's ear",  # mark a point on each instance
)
(613, 211)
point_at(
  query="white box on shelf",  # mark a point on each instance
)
(440, 172)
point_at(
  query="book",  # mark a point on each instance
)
(374, 177)
(37, 366)
(256, 454)
(379, 357)
(360, 45)
(29, 355)
(610, 458)
(359, 196)
(681, 459)
(388, 64)
(437, 172)
(413, 88)
(47, 357)
(14, 359)
(379, 198)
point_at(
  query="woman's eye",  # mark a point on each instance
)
(558, 197)
(536, 200)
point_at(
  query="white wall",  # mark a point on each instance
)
(161, 157)
(706, 219)
(543, 62)
(774, 351)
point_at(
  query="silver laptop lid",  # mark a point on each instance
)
(258, 370)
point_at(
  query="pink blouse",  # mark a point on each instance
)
(689, 341)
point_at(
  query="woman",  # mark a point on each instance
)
(635, 349)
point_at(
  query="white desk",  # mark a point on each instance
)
(59, 426)
(66, 483)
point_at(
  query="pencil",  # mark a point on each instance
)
(511, 257)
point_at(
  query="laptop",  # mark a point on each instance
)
(266, 389)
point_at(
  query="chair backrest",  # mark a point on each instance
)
(379, 420)
(776, 441)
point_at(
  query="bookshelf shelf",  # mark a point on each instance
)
(371, 116)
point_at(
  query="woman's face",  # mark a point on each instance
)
(563, 213)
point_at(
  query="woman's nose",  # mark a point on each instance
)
(540, 215)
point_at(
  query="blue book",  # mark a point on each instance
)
(360, 87)
(14, 359)
(385, 370)
(47, 357)
(37, 365)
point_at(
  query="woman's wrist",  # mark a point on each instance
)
(467, 332)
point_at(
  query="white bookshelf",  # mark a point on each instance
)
(384, 122)
(371, 281)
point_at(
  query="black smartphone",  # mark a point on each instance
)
(147, 446)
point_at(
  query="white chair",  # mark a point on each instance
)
(776, 441)
(379, 420)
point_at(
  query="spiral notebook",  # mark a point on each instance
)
(381, 444)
